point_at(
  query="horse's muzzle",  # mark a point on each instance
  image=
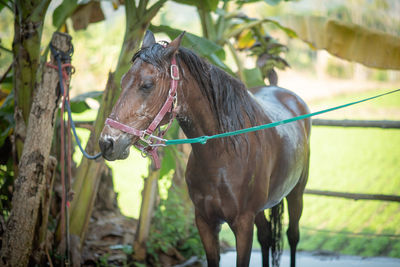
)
(114, 149)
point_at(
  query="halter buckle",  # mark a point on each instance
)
(174, 72)
(145, 139)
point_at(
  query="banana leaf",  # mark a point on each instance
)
(78, 103)
(348, 41)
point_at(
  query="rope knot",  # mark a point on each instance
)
(204, 139)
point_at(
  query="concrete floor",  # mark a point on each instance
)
(314, 259)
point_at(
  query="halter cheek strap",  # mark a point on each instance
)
(148, 146)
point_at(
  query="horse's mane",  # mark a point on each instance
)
(228, 98)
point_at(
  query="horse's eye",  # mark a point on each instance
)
(146, 86)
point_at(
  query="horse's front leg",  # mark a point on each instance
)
(243, 228)
(209, 237)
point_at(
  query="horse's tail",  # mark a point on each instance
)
(276, 214)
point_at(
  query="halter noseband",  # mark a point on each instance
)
(147, 146)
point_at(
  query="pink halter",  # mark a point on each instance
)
(148, 146)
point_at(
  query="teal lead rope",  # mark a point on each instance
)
(205, 138)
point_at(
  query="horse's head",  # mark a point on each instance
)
(145, 88)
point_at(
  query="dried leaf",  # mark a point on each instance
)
(348, 41)
(86, 14)
(115, 4)
(246, 40)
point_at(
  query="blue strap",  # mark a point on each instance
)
(57, 56)
(205, 138)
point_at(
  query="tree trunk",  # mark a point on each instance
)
(41, 242)
(29, 188)
(28, 26)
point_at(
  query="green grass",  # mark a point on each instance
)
(387, 107)
(128, 182)
(357, 160)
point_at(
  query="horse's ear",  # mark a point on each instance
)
(173, 46)
(148, 39)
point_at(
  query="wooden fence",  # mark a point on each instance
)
(385, 124)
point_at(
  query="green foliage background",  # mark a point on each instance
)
(173, 228)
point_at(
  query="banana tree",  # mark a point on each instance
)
(138, 16)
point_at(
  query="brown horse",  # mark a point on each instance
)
(230, 179)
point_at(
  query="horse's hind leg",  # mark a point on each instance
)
(209, 237)
(295, 208)
(264, 236)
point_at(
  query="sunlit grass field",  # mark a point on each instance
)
(356, 160)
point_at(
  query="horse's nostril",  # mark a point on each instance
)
(110, 144)
(106, 144)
